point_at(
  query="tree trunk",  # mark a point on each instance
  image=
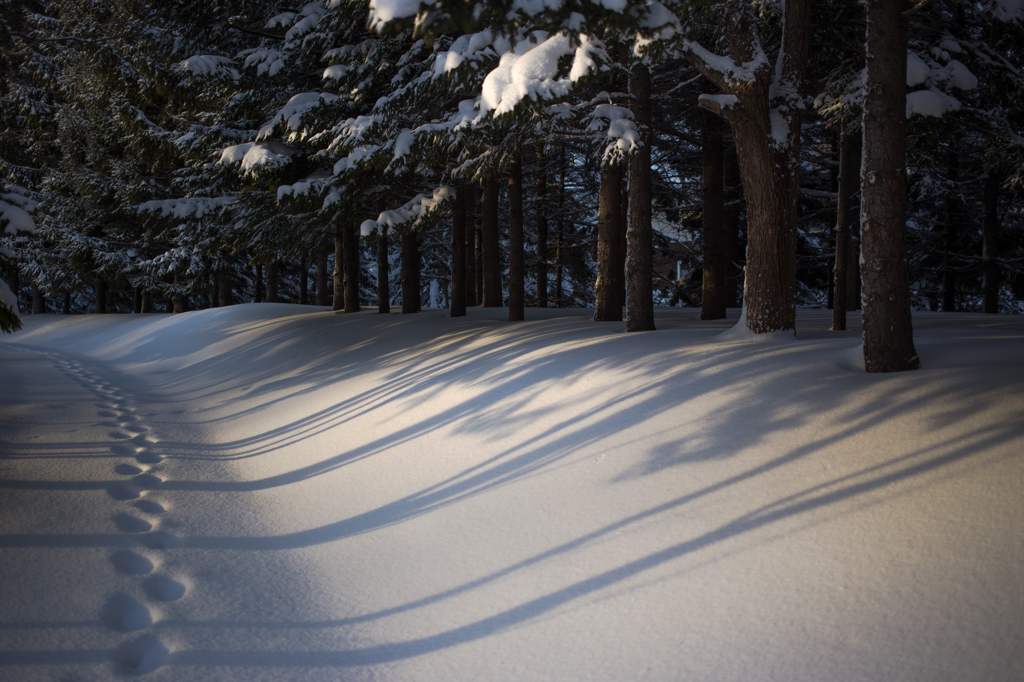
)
(516, 257)
(38, 300)
(339, 268)
(469, 206)
(952, 229)
(147, 301)
(608, 304)
(101, 296)
(304, 279)
(224, 289)
(542, 232)
(990, 244)
(846, 216)
(383, 274)
(491, 252)
(323, 296)
(732, 188)
(259, 286)
(178, 301)
(410, 273)
(351, 258)
(888, 332)
(273, 276)
(458, 267)
(713, 301)
(66, 309)
(639, 257)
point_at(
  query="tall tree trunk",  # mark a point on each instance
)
(472, 290)
(339, 267)
(639, 252)
(990, 244)
(66, 308)
(516, 256)
(732, 188)
(38, 300)
(101, 296)
(952, 233)
(323, 296)
(410, 273)
(846, 216)
(383, 274)
(713, 301)
(608, 304)
(178, 301)
(620, 266)
(304, 279)
(273, 277)
(260, 286)
(458, 268)
(765, 109)
(351, 248)
(147, 301)
(542, 231)
(224, 289)
(888, 331)
(491, 252)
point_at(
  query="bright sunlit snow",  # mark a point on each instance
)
(275, 492)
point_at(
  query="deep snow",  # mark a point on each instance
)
(275, 492)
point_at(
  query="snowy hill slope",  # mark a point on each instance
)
(269, 492)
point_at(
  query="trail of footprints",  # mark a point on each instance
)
(141, 515)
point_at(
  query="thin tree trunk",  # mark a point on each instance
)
(458, 267)
(178, 301)
(339, 268)
(66, 309)
(224, 289)
(888, 330)
(952, 229)
(101, 296)
(147, 301)
(304, 279)
(542, 231)
(273, 275)
(608, 304)
(516, 257)
(469, 207)
(323, 296)
(351, 258)
(491, 252)
(623, 233)
(383, 274)
(713, 301)
(410, 273)
(846, 216)
(260, 286)
(990, 244)
(639, 257)
(38, 300)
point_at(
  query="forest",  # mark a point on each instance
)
(172, 156)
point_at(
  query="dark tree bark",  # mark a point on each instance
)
(260, 286)
(951, 234)
(517, 257)
(339, 269)
(623, 231)
(383, 274)
(410, 273)
(608, 304)
(732, 188)
(137, 300)
(101, 296)
(713, 302)
(147, 301)
(273, 277)
(990, 244)
(458, 267)
(304, 279)
(847, 214)
(765, 108)
(38, 300)
(323, 296)
(179, 303)
(888, 332)
(469, 206)
(66, 308)
(491, 253)
(639, 256)
(542, 232)
(351, 258)
(224, 289)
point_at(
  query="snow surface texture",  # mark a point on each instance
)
(275, 492)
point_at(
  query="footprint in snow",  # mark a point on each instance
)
(119, 435)
(142, 655)
(130, 563)
(123, 491)
(131, 524)
(161, 540)
(134, 428)
(148, 458)
(149, 507)
(124, 449)
(122, 612)
(127, 469)
(147, 481)
(162, 588)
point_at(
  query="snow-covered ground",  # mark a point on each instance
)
(275, 492)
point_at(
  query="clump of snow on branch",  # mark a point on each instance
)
(186, 208)
(731, 72)
(15, 206)
(930, 102)
(254, 156)
(412, 212)
(384, 11)
(316, 181)
(210, 65)
(622, 136)
(293, 111)
(268, 62)
(1007, 10)
(531, 70)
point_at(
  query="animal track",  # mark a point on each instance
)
(149, 507)
(162, 588)
(122, 612)
(127, 469)
(142, 655)
(131, 524)
(130, 563)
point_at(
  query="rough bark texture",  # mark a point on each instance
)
(888, 333)
(542, 233)
(608, 306)
(990, 245)
(410, 273)
(847, 213)
(516, 257)
(458, 267)
(339, 269)
(491, 254)
(639, 265)
(766, 117)
(715, 258)
(469, 203)
(351, 248)
(732, 188)
(273, 270)
(323, 296)
(383, 275)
